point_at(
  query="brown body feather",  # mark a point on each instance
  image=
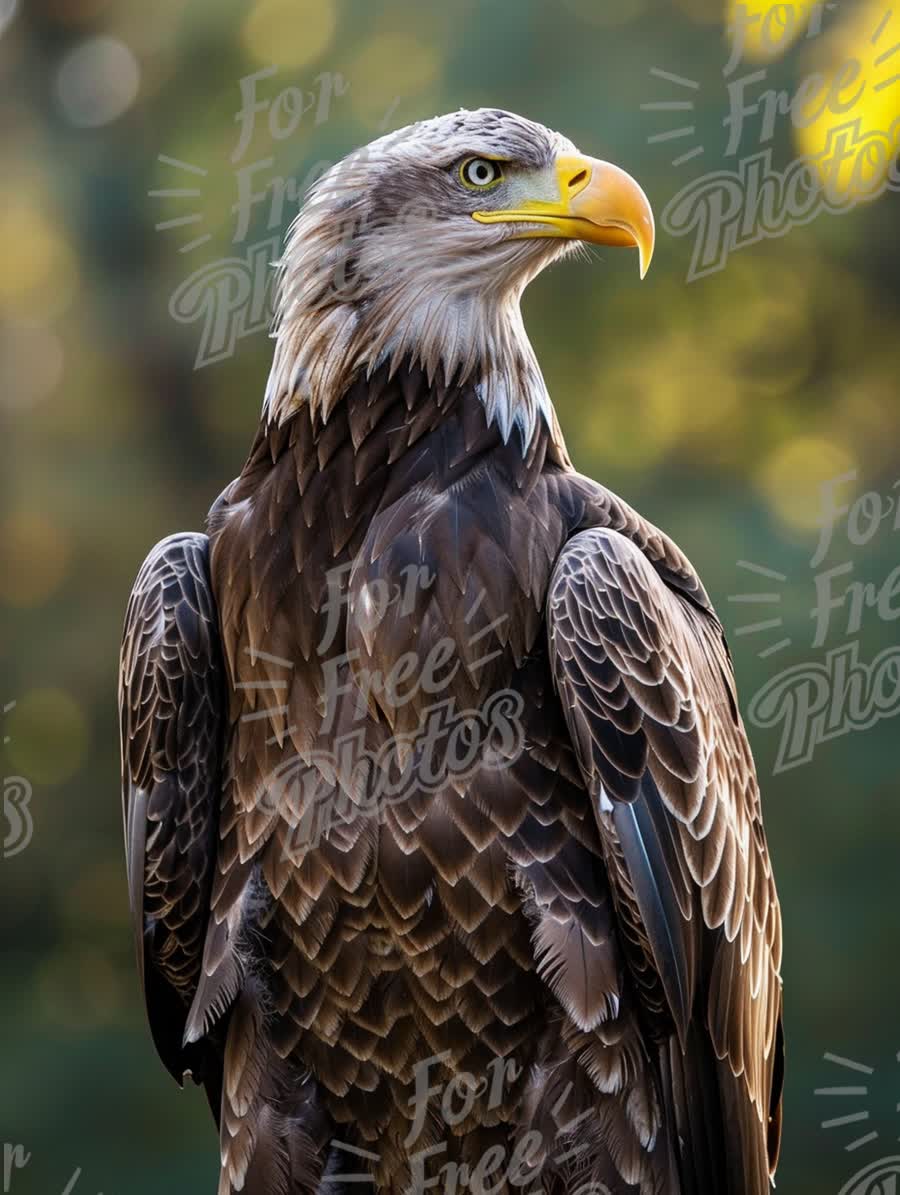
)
(585, 915)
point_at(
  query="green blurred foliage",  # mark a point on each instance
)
(717, 408)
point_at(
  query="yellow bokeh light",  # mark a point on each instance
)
(637, 415)
(39, 272)
(791, 479)
(767, 339)
(35, 555)
(865, 406)
(48, 737)
(766, 29)
(390, 66)
(851, 126)
(289, 33)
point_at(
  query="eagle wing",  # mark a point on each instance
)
(645, 680)
(171, 701)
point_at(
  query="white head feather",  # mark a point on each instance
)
(385, 263)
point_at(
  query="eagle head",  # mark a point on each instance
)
(418, 247)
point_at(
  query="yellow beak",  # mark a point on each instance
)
(597, 202)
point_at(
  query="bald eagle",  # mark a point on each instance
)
(445, 851)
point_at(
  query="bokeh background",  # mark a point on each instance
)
(718, 407)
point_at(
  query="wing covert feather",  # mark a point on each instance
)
(171, 697)
(646, 684)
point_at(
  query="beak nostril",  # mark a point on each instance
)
(577, 178)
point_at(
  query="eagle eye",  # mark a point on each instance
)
(480, 173)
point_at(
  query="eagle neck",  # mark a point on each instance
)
(456, 336)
